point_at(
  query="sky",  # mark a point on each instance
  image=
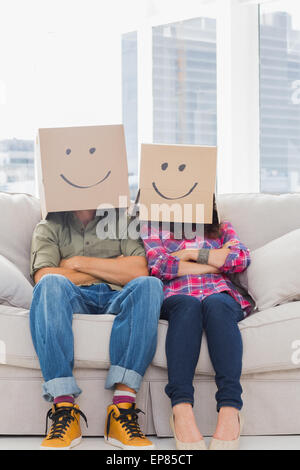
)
(60, 60)
(60, 63)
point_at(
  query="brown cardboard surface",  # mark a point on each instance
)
(81, 168)
(179, 175)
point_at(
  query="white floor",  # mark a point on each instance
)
(91, 443)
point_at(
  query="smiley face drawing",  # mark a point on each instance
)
(177, 174)
(181, 168)
(82, 168)
(92, 150)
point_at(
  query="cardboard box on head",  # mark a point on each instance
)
(81, 168)
(178, 177)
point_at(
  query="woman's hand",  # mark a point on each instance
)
(186, 255)
(218, 256)
(230, 243)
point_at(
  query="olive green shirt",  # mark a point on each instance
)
(62, 235)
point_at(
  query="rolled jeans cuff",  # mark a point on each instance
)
(60, 386)
(230, 404)
(120, 375)
(203, 255)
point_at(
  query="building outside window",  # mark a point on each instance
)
(184, 89)
(184, 82)
(17, 166)
(280, 96)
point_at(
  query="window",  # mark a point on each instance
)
(130, 106)
(60, 66)
(182, 96)
(17, 165)
(161, 79)
(184, 82)
(280, 96)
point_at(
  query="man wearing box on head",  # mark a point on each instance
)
(199, 295)
(76, 271)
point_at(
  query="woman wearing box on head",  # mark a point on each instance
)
(199, 296)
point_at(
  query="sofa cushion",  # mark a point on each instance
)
(259, 218)
(15, 290)
(268, 339)
(273, 276)
(19, 215)
(91, 339)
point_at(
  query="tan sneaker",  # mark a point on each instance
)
(122, 428)
(65, 431)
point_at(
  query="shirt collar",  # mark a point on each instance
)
(72, 220)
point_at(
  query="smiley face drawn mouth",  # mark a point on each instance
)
(85, 187)
(173, 198)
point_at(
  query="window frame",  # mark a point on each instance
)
(238, 97)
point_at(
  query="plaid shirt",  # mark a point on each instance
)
(159, 245)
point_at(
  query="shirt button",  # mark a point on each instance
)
(87, 243)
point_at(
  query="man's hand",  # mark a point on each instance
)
(78, 278)
(71, 263)
(119, 270)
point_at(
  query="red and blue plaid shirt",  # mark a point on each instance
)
(159, 244)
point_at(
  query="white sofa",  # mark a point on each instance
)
(271, 379)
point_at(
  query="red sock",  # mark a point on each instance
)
(121, 396)
(64, 398)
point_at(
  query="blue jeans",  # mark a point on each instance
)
(218, 315)
(133, 337)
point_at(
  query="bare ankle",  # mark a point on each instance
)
(185, 423)
(228, 411)
(228, 424)
(182, 408)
